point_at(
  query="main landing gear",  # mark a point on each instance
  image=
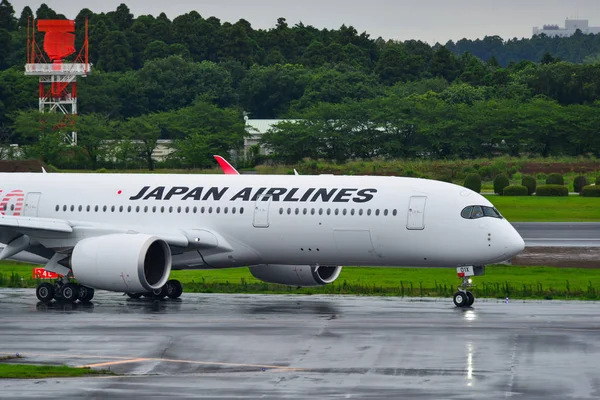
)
(172, 289)
(464, 298)
(65, 291)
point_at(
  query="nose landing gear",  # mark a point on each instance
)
(463, 297)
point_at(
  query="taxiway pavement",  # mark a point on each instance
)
(559, 234)
(298, 347)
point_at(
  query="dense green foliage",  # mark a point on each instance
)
(515, 190)
(358, 97)
(598, 180)
(500, 182)
(29, 371)
(552, 190)
(530, 182)
(473, 182)
(555, 179)
(579, 182)
(590, 191)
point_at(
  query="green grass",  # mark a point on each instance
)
(27, 371)
(499, 281)
(548, 209)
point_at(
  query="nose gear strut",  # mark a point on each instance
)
(463, 297)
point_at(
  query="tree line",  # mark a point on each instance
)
(191, 79)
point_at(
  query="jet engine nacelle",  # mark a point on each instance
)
(296, 275)
(122, 262)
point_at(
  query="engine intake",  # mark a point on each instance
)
(296, 275)
(122, 262)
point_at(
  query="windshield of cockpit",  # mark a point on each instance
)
(474, 212)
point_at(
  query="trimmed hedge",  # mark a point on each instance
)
(579, 182)
(598, 180)
(552, 190)
(500, 182)
(530, 183)
(473, 182)
(590, 191)
(516, 190)
(555, 179)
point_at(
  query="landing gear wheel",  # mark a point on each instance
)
(86, 294)
(69, 292)
(471, 299)
(134, 295)
(161, 293)
(45, 292)
(174, 289)
(460, 299)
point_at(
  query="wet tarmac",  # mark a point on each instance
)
(299, 347)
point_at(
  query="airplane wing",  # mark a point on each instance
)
(21, 233)
(225, 166)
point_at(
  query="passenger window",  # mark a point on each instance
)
(128, 208)
(112, 209)
(95, 208)
(233, 210)
(187, 210)
(344, 211)
(88, 208)
(394, 212)
(320, 211)
(241, 210)
(145, 209)
(369, 211)
(64, 207)
(297, 211)
(304, 211)
(195, 210)
(329, 211)
(104, 208)
(202, 210)
(210, 210)
(72, 208)
(360, 212)
(80, 208)
(121, 209)
(137, 209)
(178, 210)
(218, 210)
(153, 209)
(280, 211)
(289, 211)
(385, 212)
(377, 212)
(57, 207)
(312, 211)
(352, 211)
(170, 209)
(337, 211)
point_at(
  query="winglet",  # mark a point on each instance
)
(225, 166)
(44, 170)
(296, 172)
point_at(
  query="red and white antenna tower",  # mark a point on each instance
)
(58, 77)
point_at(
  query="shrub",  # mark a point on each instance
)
(579, 182)
(552, 190)
(598, 180)
(555, 179)
(590, 191)
(517, 176)
(500, 182)
(530, 183)
(541, 176)
(473, 182)
(515, 190)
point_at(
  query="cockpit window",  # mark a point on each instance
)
(474, 212)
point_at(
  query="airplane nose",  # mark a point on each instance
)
(514, 244)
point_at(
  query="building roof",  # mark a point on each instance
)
(263, 125)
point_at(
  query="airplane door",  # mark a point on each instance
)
(416, 213)
(261, 212)
(31, 204)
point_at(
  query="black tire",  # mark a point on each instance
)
(45, 292)
(161, 293)
(134, 295)
(471, 299)
(460, 299)
(70, 292)
(86, 294)
(174, 289)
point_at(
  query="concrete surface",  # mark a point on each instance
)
(305, 347)
(559, 234)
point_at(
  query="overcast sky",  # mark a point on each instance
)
(428, 20)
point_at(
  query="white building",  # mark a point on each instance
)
(258, 127)
(571, 26)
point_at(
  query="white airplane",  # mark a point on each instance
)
(126, 232)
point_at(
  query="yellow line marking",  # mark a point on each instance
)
(110, 363)
(126, 360)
